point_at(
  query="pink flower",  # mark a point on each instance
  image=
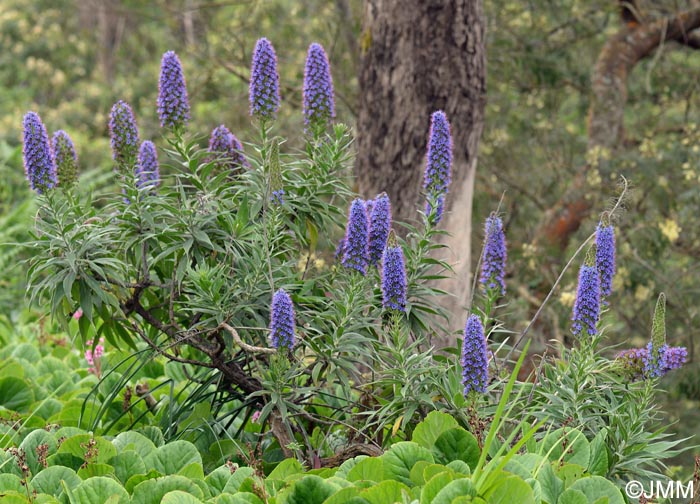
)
(255, 417)
(78, 313)
(93, 358)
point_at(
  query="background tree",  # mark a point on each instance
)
(417, 57)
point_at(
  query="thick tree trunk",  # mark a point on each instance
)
(420, 56)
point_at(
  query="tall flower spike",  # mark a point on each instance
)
(282, 326)
(379, 227)
(226, 150)
(319, 105)
(657, 346)
(264, 81)
(605, 255)
(356, 249)
(65, 158)
(439, 161)
(173, 105)
(124, 135)
(393, 278)
(493, 262)
(586, 311)
(475, 364)
(147, 169)
(39, 166)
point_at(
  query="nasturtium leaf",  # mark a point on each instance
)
(286, 468)
(126, 464)
(38, 441)
(15, 394)
(572, 496)
(153, 490)
(508, 490)
(597, 487)
(430, 429)
(400, 459)
(569, 445)
(49, 480)
(434, 485)
(456, 444)
(386, 491)
(310, 490)
(133, 441)
(173, 457)
(371, 469)
(10, 482)
(99, 489)
(179, 497)
(454, 489)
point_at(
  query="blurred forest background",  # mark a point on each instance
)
(553, 142)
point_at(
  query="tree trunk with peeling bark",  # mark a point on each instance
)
(634, 42)
(420, 56)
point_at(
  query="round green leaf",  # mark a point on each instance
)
(100, 489)
(456, 444)
(401, 458)
(596, 487)
(15, 394)
(49, 480)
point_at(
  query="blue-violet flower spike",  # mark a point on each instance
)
(264, 81)
(147, 169)
(493, 262)
(474, 361)
(356, 250)
(65, 158)
(282, 325)
(226, 150)
(379, 227)
(605, 256)
(439, 157)
(173, 105)
(319, 105)
(393, 279)
(586, 312)
(124, 135)
(39, 166)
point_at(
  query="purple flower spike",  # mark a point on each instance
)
(39, 166)
(124, 134)
(380, 225)
(282, 326)
(147, 169)
(605, 256)
(277, 197)
(356, 249)
(226, 150)
(586, 311)
(393, 279)
(319, 105)
(439, 209)
(475, 363)
(65, 158)
(638, 364)
(264, 81)
(439, 157)
(493, 262)
(173, 106)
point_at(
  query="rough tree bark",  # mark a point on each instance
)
(420, 56)
(634, 42)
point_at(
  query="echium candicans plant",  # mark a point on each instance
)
(605, 254)
(394, 282)
(586, 311)
(173, 104)
(264, 93)
(39, 166)
(379, 227)
(225, 150)
(493, 261)
(474, 359)
(282, 324)
(356, 244)
(276, 183)
(319, 103)
(124, 135)
(438, 169)
(65, 158)
(147, 169)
